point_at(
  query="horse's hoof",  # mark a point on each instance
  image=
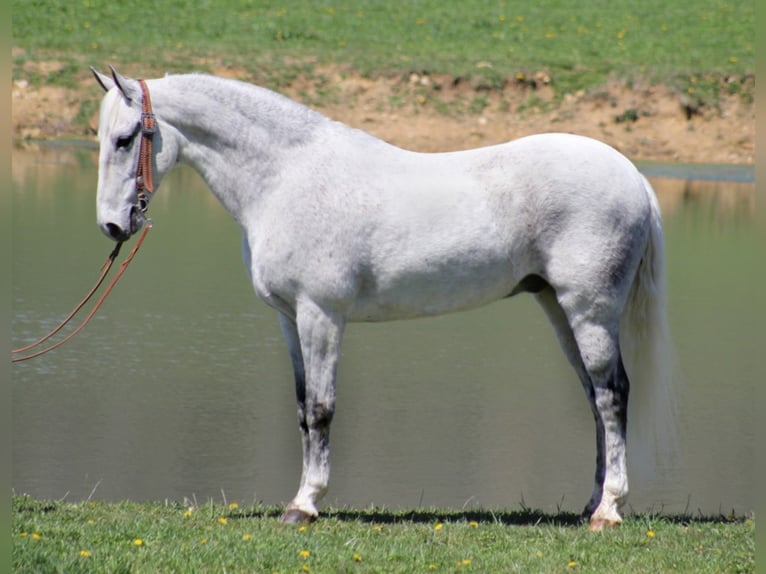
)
(297, 516)
(598, 524)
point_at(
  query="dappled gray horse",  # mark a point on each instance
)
(340, 226)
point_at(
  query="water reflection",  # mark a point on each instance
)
(181, 387)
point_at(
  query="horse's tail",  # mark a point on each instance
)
(648, 355)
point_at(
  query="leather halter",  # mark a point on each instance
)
(144, 183)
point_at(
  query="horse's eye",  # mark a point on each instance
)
(124, 142)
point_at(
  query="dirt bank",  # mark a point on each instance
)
(431, 113)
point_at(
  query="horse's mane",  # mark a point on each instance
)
(250, 99)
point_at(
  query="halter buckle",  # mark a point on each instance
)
(148, 124)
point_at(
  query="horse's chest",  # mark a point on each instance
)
(283, 273)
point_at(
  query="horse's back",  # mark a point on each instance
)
(562, 193)
(553, 188)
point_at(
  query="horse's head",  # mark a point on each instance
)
(121, 200)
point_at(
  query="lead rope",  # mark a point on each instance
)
(105, 269)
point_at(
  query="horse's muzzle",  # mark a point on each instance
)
(118, 233)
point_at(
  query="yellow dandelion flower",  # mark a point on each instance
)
(432, 566)
(305, 568)
(138, 542)
(304, 554)
(473, 524)
(650, 533)
(302, 529)
(36, 535)
(571, 563)
(357, 557)
(223, 520)
(203, 540)
(247, 537)
(233, 506)
(466, 562)
(438, 527)
(23, 534)
(187, 514)
(85, 553)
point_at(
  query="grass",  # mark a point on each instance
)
(152, 537)
(580, 45)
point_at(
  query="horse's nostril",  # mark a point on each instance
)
(115, 232)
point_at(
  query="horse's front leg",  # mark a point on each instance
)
(313, 339)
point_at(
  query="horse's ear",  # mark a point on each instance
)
(128, 88)
(103, 80)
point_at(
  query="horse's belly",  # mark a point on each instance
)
(426, 294)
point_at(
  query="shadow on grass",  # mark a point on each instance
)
(523, 517)
(516, 518)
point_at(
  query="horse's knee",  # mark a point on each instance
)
(319, 415)
(313, 411)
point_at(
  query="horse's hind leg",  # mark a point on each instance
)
(593, 351)
(313, 339)
(600, 350)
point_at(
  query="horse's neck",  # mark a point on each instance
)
(235, 135)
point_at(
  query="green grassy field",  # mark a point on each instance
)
(129, 537)
(577, 44)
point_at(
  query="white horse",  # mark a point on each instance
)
(340, 226)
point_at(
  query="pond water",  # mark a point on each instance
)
(181, 386)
